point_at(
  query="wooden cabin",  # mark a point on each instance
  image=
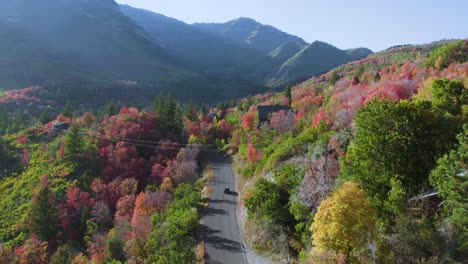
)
(265, 112)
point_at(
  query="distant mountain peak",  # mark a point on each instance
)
(248, 31)
(244, 20)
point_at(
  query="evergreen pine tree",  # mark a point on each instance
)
(67, 111)
(110, 109)
(287, 93)
(169, 112)
(62, 255)
(190, 112)
(44, 215)
(204, 110)
(4, 121)
(356, 80)
(74, 142)
(159, 105)
(334, 78)
(45, 117)
(177, 119)
(377, 77)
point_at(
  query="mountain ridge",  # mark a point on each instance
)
(237, 47)
(250, 32)
(89, 47)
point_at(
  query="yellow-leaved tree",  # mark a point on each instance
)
(344, 223)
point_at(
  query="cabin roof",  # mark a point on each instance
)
(264, 111)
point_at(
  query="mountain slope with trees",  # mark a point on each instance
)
(348, 175)
(87, 50)
(249, 32)
(200, 50)
(93, 36)
(314, 59)
(241, 48)
(338, 179)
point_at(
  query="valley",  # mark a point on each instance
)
(129, 136)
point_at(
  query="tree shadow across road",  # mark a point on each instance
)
(214, 211)
(212, 238)
(216, 201)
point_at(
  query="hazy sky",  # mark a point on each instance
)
(376, 24)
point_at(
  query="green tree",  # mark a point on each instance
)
(176, 126)
(345, 222)
(334, 78)
(67, 111)
(395, 142)
(19, 122)
(377, 77)
(44, 215)
(356, 80)
(110, 109)
(449, 95)
(63, 255)
(450, 177)
(415, 240)
(179, 235)
(169, 113)
(45, 117)
(270, 203)
(173, 237)
(159, 105)
(8, 157)
(288, 177)
(443, 56)
(74, 142)
(287, 93)
(191, 112)
(4, 119)
(171, 107)
(221, 106)
(204, 110)
(115, 247)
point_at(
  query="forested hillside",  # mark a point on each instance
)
(242, 48)
(114, 188)
(368, 166)
(94, 51)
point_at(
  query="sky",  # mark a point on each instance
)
(375, 24)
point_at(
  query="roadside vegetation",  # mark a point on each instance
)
(368, 166)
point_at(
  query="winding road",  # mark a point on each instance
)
(220, 229)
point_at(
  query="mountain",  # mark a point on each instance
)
(240, 49)
(286, 51)
(314, 59)
(91, 35)
(203, 51)
(23, 62)
(358, 53)
(95, 50)
(249, 32)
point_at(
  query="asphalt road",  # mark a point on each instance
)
(220, 230)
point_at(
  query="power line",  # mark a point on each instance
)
(123, 140)
(150, 142)
(130, 141)
(153, 142)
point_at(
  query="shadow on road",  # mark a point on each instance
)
(214, 211)
(218, 201)
(212, 238)
(216, 158)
